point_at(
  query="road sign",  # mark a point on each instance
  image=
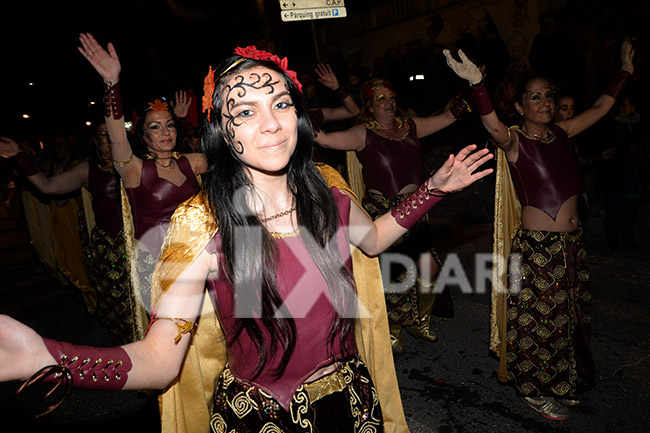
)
(310, 4)
(312, 14)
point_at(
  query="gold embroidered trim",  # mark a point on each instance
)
(530, 137)
(325, 386)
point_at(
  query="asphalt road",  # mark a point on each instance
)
(447, 386)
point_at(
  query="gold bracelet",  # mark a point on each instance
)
(183, 326)
(123, 163)
(507, 140)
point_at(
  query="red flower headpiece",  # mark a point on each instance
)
(250, 52)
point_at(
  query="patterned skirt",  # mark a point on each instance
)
(107, 268)
(402, 304)
(343, 401)
(548, 313)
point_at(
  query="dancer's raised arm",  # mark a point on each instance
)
(469, 71)
(606, 101)
(107, 64)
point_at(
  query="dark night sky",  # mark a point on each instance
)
(160, 52)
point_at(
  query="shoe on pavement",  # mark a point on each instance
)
(548, 407)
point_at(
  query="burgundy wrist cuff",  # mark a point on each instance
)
(459, 108)
(411, 210)
(341, 93)
(482, 98)
(617, 85)
(103, 368)
(23, 163)
(112, 101)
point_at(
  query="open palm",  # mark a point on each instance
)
(459, 171)
(106, 63)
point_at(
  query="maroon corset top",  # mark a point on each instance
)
(389, 165)
(154, 201)
(105, 188)
(546, 172)
(307, 298)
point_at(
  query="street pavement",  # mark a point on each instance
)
(447, 387)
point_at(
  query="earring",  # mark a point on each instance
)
(521, 113)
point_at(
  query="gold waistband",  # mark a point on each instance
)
(325, 385)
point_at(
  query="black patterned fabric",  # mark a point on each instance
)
(242, 407)
(548, 313)
(107, 269)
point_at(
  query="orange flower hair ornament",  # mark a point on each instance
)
(250, 52)
(208, 91)
(158, 105)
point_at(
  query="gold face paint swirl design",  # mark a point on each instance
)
(239, 90)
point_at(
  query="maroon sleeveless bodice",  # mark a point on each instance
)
(546, 173)
(306, 296)
(390, 165)
(107, 207)
(154, 201)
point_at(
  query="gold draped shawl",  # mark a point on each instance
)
(507, 216)
(182, 411)
(139, 307)
(355, 174)
(139, 312)
(68, 253)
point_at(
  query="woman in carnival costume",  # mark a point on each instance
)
(295, 336)
(385, 164)
(540, 320)
(156, 179)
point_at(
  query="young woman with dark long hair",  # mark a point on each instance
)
(300, 341)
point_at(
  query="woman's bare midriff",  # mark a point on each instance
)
(567, 219)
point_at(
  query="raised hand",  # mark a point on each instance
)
(459, 171)
(181, 103)
(8, 147)
(22, 351)
(465, 68)
(627, 54)
(106, 63)
(326, 76)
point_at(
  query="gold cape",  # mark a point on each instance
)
(186, 404)
(507, 217)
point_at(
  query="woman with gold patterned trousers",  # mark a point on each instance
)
(391, 155)
(541, 315)
(155, 175)
(292, 336)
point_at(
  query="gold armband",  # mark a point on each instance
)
(507, 139)
(184, 326)
(123, 163)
